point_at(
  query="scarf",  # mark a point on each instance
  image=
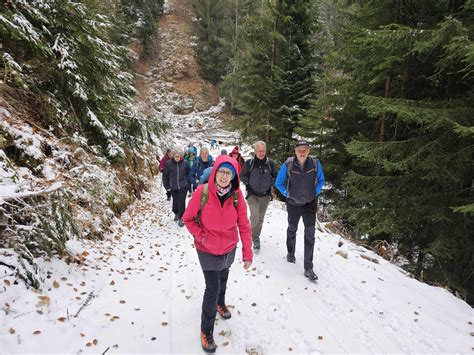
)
(221, 191)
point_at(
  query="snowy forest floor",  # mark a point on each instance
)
(140, 289)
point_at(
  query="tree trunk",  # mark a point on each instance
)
(382, 119)
(419, 265)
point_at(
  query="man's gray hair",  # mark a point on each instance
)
(203, 149)
(259, 143)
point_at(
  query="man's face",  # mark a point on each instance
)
(204, 155)
(302, 153)
(260, 151)
(177, 157)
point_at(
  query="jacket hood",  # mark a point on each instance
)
(221, 159)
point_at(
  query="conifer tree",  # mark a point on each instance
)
(274, 84)
(405, 103)
(60, 59)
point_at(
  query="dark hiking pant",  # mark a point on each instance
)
(179, 201)
(308, 212)
(216, 284)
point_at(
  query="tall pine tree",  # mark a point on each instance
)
(274, 83)
(404, 100)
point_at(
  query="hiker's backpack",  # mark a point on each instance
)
(267, 163)
(205, 198)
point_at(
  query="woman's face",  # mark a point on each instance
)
(223, 177)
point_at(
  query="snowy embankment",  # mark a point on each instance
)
(140, 290)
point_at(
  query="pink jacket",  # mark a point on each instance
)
(218, 234)
(163, 162)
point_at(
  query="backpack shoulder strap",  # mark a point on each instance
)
(289, 166)
(204, 196)
(236, 198)
(315, 164)
(251, 164)
(315, 167)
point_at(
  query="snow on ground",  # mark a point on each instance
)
(140, 290)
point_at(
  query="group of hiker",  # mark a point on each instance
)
(217, 211)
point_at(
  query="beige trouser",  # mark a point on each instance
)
(258, 207)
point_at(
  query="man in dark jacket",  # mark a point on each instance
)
(258, 175)
(175, 179)
(300, 180)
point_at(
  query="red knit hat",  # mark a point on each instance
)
(235, 150)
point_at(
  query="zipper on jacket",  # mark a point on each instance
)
(177, 175)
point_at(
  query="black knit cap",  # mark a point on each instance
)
(302, 143)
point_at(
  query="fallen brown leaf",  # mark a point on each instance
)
(37, 332)
(12, 331)
(7, 282)
(62, 319)
(225, 343)
(164, 324)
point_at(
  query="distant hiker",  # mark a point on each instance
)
(300, 180)
(191, 158)
(235, 153)
(203, 161)
(213, 144)
(215, 212)
(258, 176)
(175, 180)
(166, 158)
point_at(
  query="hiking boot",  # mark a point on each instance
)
(180, 222)
(207, 343)
(290, 257)
(311, 275)
(256, 243)
(168, 198)
(175, 217)
(224, 312)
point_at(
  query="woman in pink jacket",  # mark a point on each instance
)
(214, 228)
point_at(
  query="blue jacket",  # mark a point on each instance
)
(304, 183)
(198, 168)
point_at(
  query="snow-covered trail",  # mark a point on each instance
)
(146, 289)
(140, 289)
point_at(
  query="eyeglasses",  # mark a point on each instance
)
(225, 172)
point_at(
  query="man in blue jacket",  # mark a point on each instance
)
(300, 180)
(204, 161)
